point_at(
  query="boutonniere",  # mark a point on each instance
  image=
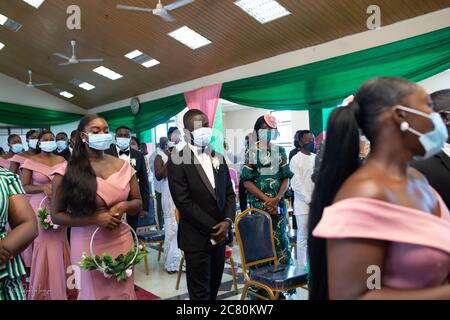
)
(215, 163)
(133, 162)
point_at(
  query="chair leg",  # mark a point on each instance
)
(147, 269)
(180, 272)
(244, 291)
(159, 250)
(233, 273)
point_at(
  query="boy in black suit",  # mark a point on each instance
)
(202, 191)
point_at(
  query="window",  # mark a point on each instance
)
(161, 130)
(285, 139)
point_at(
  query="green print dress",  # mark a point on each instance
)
(10, 274)
(267, 169)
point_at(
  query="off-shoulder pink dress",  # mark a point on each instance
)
(51, 252)
(418, 254)
(93, 285)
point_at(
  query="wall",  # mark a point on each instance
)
(438, 82)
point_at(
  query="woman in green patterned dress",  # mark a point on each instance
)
(266, 176)
(15, 210)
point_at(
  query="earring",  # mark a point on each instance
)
(404, 126)
(84, 140)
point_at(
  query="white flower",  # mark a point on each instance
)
(106, 275)
(83, 256)
(141, 247)
(133, 162)
(129, 273)
(215, 163)
(55, 226)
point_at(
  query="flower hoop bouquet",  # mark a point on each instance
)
(120, 267)
(45, 217)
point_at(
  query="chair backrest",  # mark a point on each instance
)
(254, 234)
(149, 220)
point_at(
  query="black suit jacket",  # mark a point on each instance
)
(65, 154)
(141, 174)
(437, 171)
(200, 205)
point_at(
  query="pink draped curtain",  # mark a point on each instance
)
(205, 99)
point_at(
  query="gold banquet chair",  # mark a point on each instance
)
(228, 258)
(254, 234)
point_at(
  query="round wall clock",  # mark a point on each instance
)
(135, 105)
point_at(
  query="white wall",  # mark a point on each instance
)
(14, 91)
(67, 128)
(438, 82)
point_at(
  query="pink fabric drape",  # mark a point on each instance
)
(205, 99)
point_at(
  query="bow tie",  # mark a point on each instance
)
(121, 152)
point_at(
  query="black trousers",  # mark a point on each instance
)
(204, 270)
(159, 210)
(242, 196)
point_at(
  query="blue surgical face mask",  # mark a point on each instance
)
(17, 148)
(100, 141)
(432, 141)
(202, 136)
(48, 146)
(310, 147)
(123, 143)
(32, 143)
(61, 145)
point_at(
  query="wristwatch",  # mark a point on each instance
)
(230, 221)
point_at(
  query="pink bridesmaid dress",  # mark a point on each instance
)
(4, 163)
(94, 285)
(418, 253)
(27, 254)
(51, 252)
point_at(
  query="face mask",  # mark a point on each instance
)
(310, 147)
(32, 143)
(123, 143)
(100, 141)
(61, 145)
(171, 144)
(17, 148)
(48, 146)
(433, 141)
(202, 136)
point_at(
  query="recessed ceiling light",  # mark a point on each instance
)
(87, 86)
(34, 3)
(66, 94)
(1, 46)
(189, 38)
(107, 73)
(150, 63)
(263, 10)
(3, 19)
(133, 54)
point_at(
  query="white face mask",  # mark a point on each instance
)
(432, 141)
(32, 143)
(202, 136)
(100, 141)
(48, 146)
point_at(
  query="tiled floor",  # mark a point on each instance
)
(162, 284)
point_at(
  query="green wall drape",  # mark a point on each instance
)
(32, 117)
(151, 114)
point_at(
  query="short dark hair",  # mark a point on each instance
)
(29, 133)
(441, 100)
(135, 139)
(63, 133)
(12, 136)
(171, 131)
(190, 114)
(124, 127)
(73, 134)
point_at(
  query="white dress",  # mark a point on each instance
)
(172, 253)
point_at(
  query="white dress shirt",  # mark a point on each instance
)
(124, 156)
(303, 167)
(446, 149)
(205, 161)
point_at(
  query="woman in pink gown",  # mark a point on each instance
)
(19, 158)
(96, 190)
(15, 147)
(51, 255)
(377, 229)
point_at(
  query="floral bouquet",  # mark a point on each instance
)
(120, 267)
(45, 217)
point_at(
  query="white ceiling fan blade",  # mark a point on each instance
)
(166, 17)
(178, 4)
(42, 84)
(131, 8)
(90, 60)
(61, 56)
(65, 63)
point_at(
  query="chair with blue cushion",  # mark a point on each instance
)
(149, 232)
(254, 234)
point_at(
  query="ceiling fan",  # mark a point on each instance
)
(73, 59)
(160, 10)
(34, 85)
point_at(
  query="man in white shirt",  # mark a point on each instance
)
(302, 165)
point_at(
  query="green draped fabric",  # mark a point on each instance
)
(151, 114)
(32, 117)
(326, 83)
(217, 139)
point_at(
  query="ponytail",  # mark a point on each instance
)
(340, 160)
(79, 185)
